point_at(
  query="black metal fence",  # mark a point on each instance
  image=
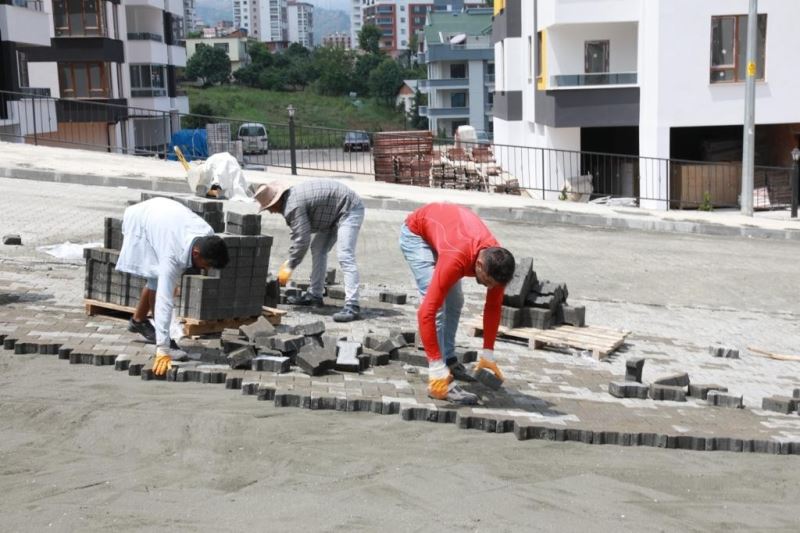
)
(34, 117)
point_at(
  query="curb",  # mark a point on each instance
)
(531, 215)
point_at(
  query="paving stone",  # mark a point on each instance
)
(721, 399)
(8, 343)
(310, 329)
(286, 342)
(330, 276)
(271, 363)
(315, 362)
(466, 356)
(135, 368)
(272, 294)
(518, 288)
(12, 239)
(628, 389)
(336, 293)
(241, 358)
(488, 379)
(534, 317)
(118, 365)
(231, 344)
(347, 357)
(510, 317)
(574, 315)
(633, 369)
(701, 391)
(398, 298)
(667, 392)
(409, 335)
(779, 404)
(796, 393)
(675, 380)
(724, 351)
(258, 330)
(376, 358)
(413, 357)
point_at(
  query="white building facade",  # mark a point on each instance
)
(661, 79)
(301, 23)
(264, 20)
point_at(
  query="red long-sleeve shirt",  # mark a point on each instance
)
(457, 235)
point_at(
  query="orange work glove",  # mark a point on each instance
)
(163, 362)
(486, 360)
(284, 273)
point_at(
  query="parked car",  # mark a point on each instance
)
(254, 138)
(356, 140)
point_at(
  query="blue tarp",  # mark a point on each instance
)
(193, 144)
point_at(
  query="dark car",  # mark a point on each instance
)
(356, 140)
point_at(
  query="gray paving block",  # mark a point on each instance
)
(466, 356)
(398, 298)
(721, 399)
(376, 358)
(628, 389)
(675, 380)
(510, 317)
(796, 393)
(12, 239)
(336, 293)
(286, 342)
(667, 392)
(724, 351)
(518, 288)
(310, 328)
(488, 379)
(574, 315)
(633, 369)
(271, 363)
(315, 362)
(699, 390)
(242, 357)
(534, 317)
(258, 330)
(413, 357)
(779, 404)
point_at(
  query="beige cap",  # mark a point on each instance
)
(269, 194)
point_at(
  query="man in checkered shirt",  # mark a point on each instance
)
(333, 213)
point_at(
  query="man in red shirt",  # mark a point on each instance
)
(443, 243)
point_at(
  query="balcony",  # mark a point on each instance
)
(446, 112)
(147, 51)
(24, 22)
(600, 79)
(445, 83)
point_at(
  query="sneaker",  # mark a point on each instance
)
(305, 299)
(459, 371)
(143, 328)
(347, 314)
(457, 395)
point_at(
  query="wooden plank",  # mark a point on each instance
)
(207, 327)
(96, 307)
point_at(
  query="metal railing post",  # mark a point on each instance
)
(35, 136)
(795, 186)
(292, 146)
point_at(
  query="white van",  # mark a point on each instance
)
(254, 138)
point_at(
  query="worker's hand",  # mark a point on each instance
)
(439, 379)
(486, 360)
(284, 273)
(163, 361)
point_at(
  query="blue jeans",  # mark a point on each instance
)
(346, 235)
(422, 260)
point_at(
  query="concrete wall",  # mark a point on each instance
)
(566, 46)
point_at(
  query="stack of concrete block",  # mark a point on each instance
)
(208, 209)
(529, 302)
(112, 233)
(103, 282)
(239, 224)
(238, 290)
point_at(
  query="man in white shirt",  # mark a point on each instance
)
(161, 239)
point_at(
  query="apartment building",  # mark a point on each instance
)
(338, 40)
(189, 17)
(400, 19)
(355, 21)
(653, 78)
(234, 44)
(99, 52)
(264, 20)
(301, 23)
(460, 60)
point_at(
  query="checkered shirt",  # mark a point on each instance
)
(312, 207)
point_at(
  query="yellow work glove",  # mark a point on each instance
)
(439, 379)
(163, 362)
(486, 360)
(284, 273)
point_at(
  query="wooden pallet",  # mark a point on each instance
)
(600, 341)
(191, 326)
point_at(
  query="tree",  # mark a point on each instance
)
(365, 64)
(385, 81)
(209, 64)
(369, 39)
(194, 35)
(335, 68)
(200, 115)
(259, 54)
(417, 121)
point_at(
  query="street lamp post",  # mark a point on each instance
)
(292, 142)
(795, 181)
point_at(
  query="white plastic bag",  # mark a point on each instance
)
(68, 250)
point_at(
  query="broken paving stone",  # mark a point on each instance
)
(673, 393)
(242, 357)
(724, 351)
(720, 399)
(701, 391)
(12, 240)
(271, 363)
(633, 369)
(779, 404)
(258, 330)
(628, 389)
(675, 380)
(488, 379)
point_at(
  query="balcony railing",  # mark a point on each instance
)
(33, 5)
(598, 78)
(145, 36)
(444, 83)
(447, 111)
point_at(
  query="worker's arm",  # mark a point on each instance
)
(491, 322)
(446, 273)
(300, 229)
(168, 273)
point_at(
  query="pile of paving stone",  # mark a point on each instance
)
(531, 303)
(238, 290)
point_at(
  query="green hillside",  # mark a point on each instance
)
(256, 105)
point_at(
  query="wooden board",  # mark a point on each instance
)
(600, 341)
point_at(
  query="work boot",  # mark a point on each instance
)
(305, 299)
(347, 314)
(143, 328)
(455, 394)
(459, 371)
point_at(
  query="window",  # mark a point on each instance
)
(83, 80)
(596, 56)
(458, 100)
(729, 48)
(539, 55)
(22, 69)
(78, 17)
(458, 71)
(148, 80)
(224, 46)
(530, 58)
